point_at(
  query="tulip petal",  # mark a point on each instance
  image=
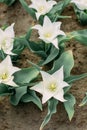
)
(59, 74)
(9, 31)
(59, 96)
(38, 88)
(11, 82)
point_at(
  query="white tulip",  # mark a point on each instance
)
(42, 6)
(7, 39)
(81, 4)
(51, 86)
(49, 31)
(6, 72)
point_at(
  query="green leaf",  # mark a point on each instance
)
(29, 10)
(28, 34)
(66, 89)
(66, 60)
(8, 2)
(53, 54)
(52, 104)
(81, 15)
(74, 78)
(80, 36)
(16, 97)
(56, 11)
(19, 45)
(69, 105)
(84, 101)
(39, 48)
(32, 97)
(4, 90)
(25, 75)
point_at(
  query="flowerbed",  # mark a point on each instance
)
(64, 54)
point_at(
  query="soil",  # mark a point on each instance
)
(28, 116)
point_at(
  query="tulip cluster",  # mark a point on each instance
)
(54, 84)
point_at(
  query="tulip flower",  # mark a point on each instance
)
(7, 39)
(6, 72)
(51, 86)
(49, 31)
(42, 6)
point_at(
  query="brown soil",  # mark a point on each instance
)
(28, 116)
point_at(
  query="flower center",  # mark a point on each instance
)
(41, 8)
(52, 87)
(4, 76)
(47, 35)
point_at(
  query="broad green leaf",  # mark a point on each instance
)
(8, 2)
(53, 54)
(39, 48)
(26, 7)
(16, 97)
(4, 90)
(74, 78)
(52, 104)
(84, 101)
(25, 75)
(32, 97)
(80, 36)
(66, 60)
(69, 105)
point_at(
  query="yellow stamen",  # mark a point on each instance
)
(4, 76)
(52, 87)
(41, 8)
(47, 35)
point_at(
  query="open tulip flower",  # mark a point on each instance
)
(7, 39)
(42, 6)
(81, 4)
(52, 86)
(49, 31)
(6, 72)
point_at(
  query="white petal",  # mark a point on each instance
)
(82, 4)
(46, 97)
(38, 88)
(57, 25)
(63, 84)
(8, 52)
(52, 2)
(13, 69)
(47, 22)
(11, 82)
(55, 43)
(9, 31)
(38, 15)
(61, 33)
(46, 76)
(32, 6)
(6, 62)
(38, 27)
(59, 96)
(59, 74)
